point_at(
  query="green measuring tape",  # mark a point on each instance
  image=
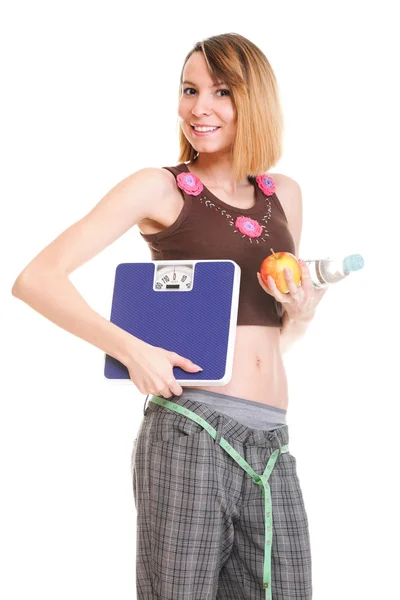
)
(261, 480)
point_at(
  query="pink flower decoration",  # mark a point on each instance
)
(189, 183)
(248, 226)
(266, 184)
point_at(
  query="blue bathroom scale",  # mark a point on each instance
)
(184, 306)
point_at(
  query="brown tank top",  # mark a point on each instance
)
(208, 228)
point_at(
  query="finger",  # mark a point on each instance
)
(275, 292)
(306, 282)
(293, 288)
(322, 291)
(261, 282)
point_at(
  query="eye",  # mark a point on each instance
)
(223, 90)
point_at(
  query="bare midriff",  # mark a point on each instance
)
(258, 371)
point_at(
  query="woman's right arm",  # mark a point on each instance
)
(44, 283)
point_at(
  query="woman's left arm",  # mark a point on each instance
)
(291, 331)
(299, 303)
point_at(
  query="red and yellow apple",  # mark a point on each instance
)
(275, 264)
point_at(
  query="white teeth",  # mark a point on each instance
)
(205, 128)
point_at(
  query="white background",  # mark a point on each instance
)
(89, 96)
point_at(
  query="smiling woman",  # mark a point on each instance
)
(219, 202)
(225, 204)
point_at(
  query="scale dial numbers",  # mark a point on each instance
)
(174, 278)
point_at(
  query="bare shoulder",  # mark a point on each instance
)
(285, 185)
(155, 179)
(158, 184)
(162, 175)
(161, 196)
(288, 192)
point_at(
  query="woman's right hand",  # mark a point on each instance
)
(151, 370)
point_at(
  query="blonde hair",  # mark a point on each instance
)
(254, 91)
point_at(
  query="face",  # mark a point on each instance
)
(203, 103)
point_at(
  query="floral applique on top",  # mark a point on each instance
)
(189, 183)
(266, 184)
(250, 228)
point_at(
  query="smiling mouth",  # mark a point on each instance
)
(204, 133)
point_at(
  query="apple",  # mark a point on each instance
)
(275, 264)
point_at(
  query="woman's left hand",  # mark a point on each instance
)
(300, 303)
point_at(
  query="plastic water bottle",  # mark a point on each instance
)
(330, 270)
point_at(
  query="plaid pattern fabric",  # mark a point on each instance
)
(200, 517)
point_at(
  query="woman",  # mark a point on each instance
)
(204, 526)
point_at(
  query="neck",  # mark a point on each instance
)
(218, 171)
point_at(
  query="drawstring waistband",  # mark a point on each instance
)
(272, 435)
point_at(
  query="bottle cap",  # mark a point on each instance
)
(353, 262)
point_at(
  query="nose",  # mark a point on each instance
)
(202, 106)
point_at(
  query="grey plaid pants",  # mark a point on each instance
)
(200, 517)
